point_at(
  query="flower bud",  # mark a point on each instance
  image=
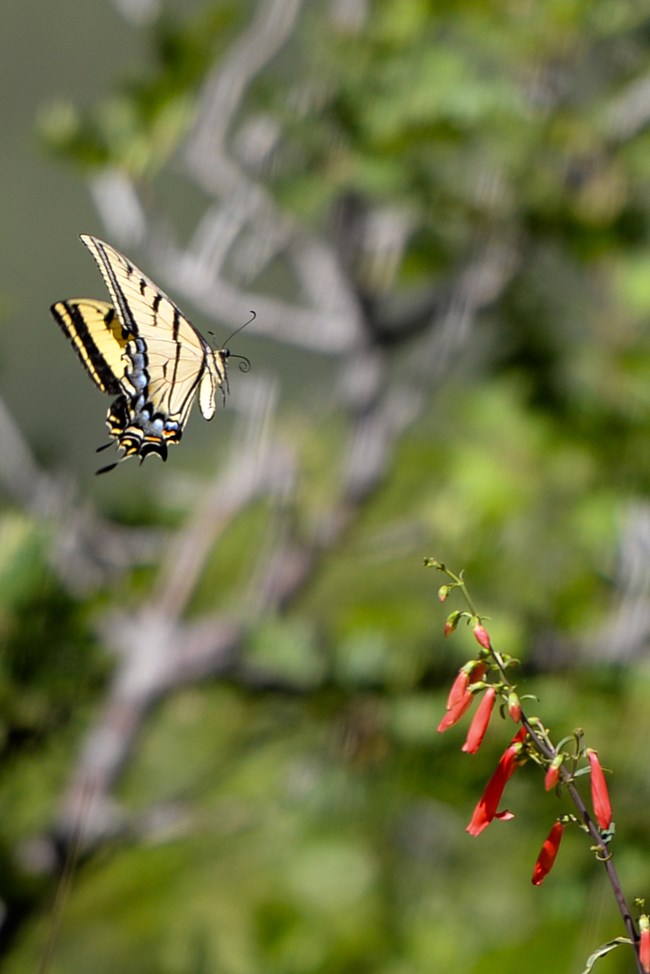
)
(552, 775)
(452, 622)
(514, 707)
(481, 636)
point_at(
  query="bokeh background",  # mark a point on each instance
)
(221, 678)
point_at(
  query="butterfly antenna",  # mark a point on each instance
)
(236, 332)
(245, 363)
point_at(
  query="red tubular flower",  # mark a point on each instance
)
(481, 636)
(460, 695)
(547, 854)
(599, 793)
(458, 688)
(644, 943)
(454, 713)
(480, 722)
(486, 810)
(470, 673)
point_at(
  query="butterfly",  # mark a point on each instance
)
(142, 349)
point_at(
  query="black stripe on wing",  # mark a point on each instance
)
(96, 337)
(106, 263)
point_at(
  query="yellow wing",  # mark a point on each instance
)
(98, 339)
(171, 361)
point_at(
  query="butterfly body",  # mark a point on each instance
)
(142, 349)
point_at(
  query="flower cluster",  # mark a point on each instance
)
(486, 677)
(473, 680)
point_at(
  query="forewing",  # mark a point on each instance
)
(178, 359)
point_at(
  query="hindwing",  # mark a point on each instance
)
(98, 339)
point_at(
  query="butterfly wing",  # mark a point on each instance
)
(165, 346)
(142, 349)
(97, 337)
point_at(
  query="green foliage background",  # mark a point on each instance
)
(323, 818)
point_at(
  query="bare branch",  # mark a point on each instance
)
(226, 86)
(85, 550)
(629, 113)
(20, 475)
(314, 330)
